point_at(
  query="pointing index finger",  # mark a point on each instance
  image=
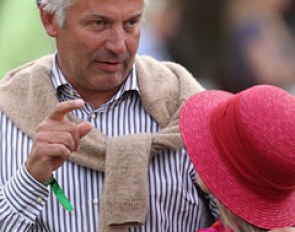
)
(62, 108)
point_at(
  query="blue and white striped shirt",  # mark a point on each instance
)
(176, 205)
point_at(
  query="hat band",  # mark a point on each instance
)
(243, 161)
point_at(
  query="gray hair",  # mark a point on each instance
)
(59, 8)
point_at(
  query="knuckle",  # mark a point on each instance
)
(73, 128)
(39, 138)
(64, 151)
(69, 140)
(41, 126)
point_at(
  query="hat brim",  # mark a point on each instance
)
(199, 143)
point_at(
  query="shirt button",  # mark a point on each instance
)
(39, 200)
(72, 93)
(93, 115)
(95, 201)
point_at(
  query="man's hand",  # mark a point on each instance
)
(55, 140)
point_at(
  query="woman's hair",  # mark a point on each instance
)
(59, 8)
(232, 221)
(228, 218)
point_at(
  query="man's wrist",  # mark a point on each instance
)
(49, 181)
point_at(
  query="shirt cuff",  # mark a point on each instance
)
(25, 195)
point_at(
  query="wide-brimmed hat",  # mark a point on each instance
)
(243, 147)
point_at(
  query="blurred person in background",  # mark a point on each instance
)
(196, 44)
(259, 47)
(22, 38)
(161, 24)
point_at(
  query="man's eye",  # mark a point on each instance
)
(99, 22)
(132, 22)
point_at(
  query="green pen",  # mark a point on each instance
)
(58, 192)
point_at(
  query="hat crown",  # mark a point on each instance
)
(267, 115)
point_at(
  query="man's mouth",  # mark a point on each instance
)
(108, 66)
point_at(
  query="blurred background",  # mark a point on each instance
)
(22, 37)
(226, 44)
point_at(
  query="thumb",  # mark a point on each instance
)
(84, 128)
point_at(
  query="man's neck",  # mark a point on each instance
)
(95, 98)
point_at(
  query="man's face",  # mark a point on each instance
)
(98, 43)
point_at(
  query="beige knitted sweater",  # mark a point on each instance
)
(27, 97)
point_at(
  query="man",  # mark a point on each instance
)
(101, 123)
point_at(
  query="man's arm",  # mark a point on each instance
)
(23, 196)
(22, 199)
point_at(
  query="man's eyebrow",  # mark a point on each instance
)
(136, 16)
(95, 15)
(103, 17)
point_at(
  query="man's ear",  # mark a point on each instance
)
(49, 22)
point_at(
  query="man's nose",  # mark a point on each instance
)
(116, 41)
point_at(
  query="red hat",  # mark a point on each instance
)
(243, 148)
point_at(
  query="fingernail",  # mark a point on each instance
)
(79, 102)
